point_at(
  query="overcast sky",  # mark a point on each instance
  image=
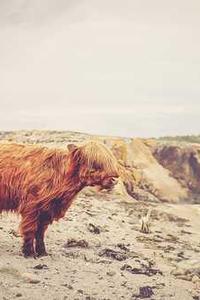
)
(117, 67)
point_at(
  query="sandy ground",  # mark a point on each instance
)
(98, 252)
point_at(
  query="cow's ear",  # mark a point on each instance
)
(71, 147)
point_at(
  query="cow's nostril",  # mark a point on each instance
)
(113, 181)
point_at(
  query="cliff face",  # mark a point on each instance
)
(183, 164)
(148, 174)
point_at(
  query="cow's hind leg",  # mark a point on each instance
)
(39, 240)
(28, 248)
(45, 218)
(28, 228)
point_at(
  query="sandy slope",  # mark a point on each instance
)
(105, 263)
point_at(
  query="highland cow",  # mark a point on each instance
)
(40, 184)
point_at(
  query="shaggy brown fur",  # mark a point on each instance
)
(40, 184)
